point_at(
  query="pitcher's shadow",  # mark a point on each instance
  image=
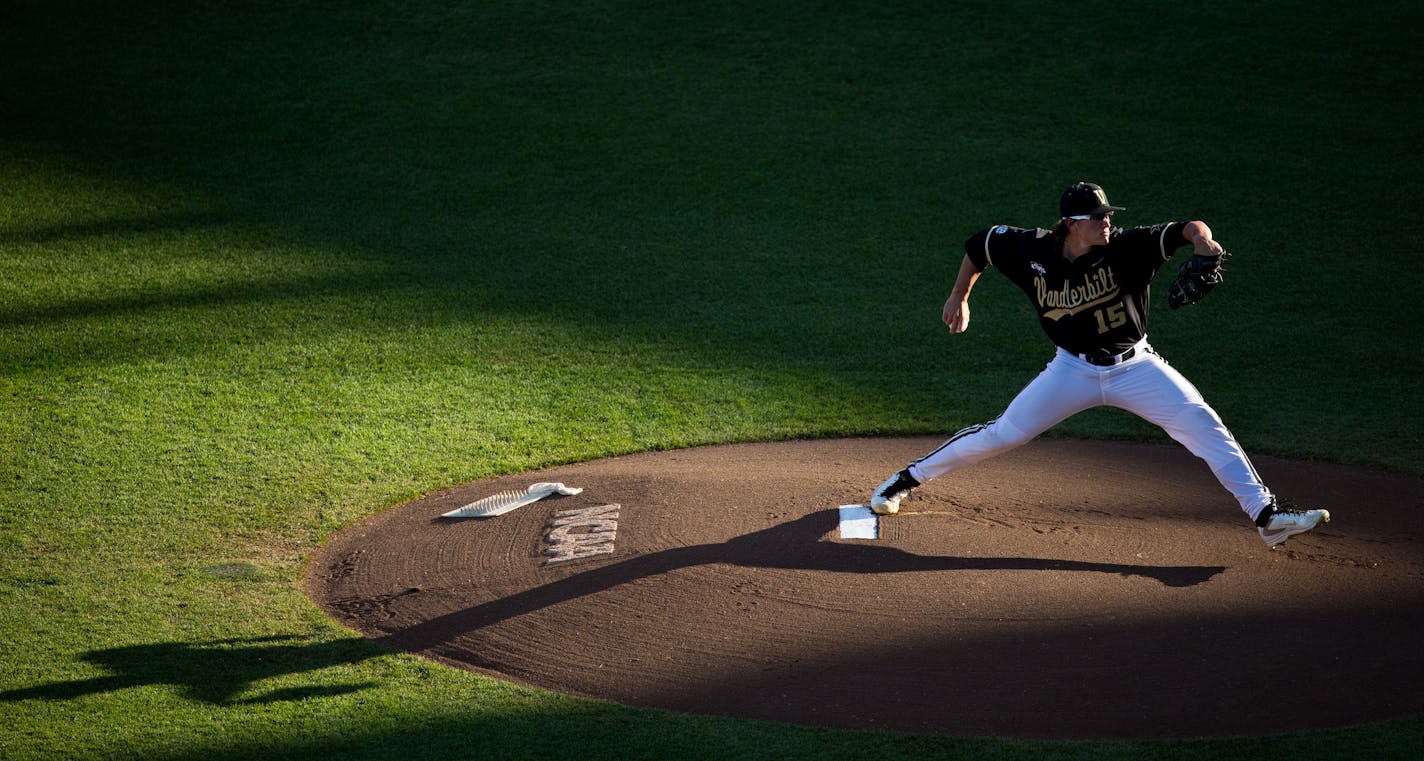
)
(794, 545)
(211, 672)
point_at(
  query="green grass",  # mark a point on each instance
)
(270, 268)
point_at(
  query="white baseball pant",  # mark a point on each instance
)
(1144, 385)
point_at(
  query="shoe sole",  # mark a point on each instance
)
(1280, 538)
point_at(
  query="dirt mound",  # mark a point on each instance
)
(1068, 589)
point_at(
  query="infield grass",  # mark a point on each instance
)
(269, 268)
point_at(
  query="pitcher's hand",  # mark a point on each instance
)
(956, 314)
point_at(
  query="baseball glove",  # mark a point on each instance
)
(1195, 280)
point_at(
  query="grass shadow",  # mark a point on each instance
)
(217, 672)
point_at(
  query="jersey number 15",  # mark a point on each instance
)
(1112, 316)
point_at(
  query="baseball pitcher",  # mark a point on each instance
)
(1089, 283)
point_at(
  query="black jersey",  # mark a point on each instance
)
(1094, 305)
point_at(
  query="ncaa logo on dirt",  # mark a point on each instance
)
(581, 533)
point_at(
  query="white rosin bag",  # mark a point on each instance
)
(503, 502)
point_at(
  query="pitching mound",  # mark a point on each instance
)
(1068, 589)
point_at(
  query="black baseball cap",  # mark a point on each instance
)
(1085, 198)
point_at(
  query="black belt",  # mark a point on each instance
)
(1115, 359)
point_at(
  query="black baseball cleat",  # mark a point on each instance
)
(1279, 522)
(886, 499)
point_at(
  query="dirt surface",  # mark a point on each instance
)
(1068, 589)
